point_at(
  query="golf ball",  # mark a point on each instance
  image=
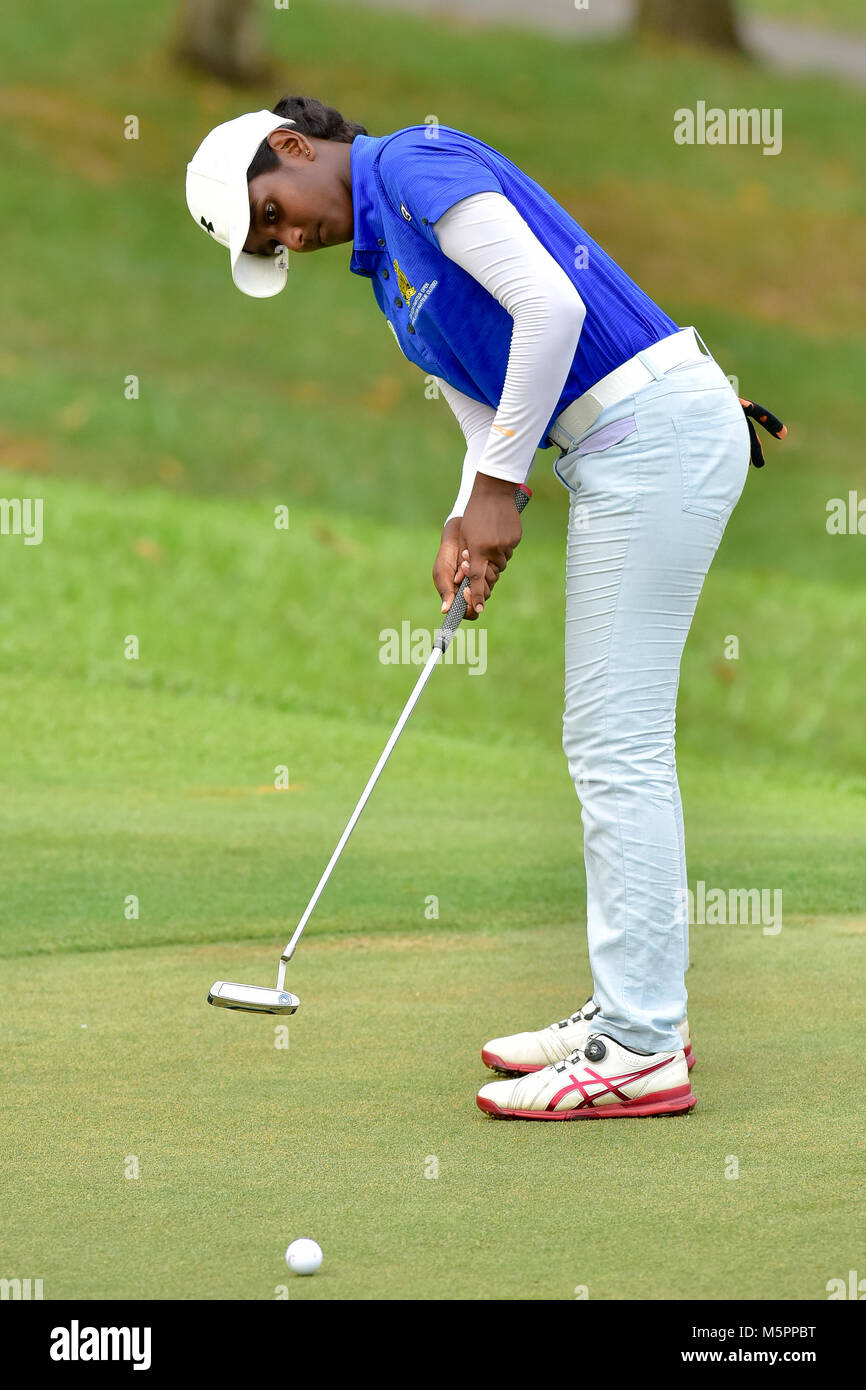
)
(304, 1256)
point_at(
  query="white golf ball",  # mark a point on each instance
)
(304, 1256)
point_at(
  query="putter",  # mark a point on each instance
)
(256, 999)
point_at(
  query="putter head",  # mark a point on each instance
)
(252, 999)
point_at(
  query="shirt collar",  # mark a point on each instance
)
(365, 203)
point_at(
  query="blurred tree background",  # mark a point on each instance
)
(691, 21)
(222, 38)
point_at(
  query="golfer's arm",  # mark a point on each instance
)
(487, 237)
(474, 419)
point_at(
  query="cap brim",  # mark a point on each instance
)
(260, 276)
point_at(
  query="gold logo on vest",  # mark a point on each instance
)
(406, 289)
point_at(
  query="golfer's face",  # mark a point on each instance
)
(299, 207)
(282, 213)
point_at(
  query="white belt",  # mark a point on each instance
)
(644, 367)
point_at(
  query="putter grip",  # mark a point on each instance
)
(457, 612)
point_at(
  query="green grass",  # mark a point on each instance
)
(211, 850)
(225, 605)
(115, 1056)
(155, 777)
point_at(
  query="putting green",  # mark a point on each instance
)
(114, 1056)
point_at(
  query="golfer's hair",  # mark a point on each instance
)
(310, 117)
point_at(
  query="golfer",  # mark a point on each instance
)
(538, 339)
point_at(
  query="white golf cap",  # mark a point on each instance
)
(219, 200)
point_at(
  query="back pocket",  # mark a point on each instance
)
(713, 453)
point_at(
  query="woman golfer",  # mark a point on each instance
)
(538, 338)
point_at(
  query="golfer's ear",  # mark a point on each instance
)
(291, 143)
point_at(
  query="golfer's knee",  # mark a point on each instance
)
(583, 747)
(599, 758)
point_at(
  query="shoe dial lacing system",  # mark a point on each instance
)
(571, 1060)
(593, 1050)
(584, 1015)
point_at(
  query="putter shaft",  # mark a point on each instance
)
(433, 659)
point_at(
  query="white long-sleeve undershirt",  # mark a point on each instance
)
(486, 235)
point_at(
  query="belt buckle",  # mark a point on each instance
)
(591, 403)
(586, 398)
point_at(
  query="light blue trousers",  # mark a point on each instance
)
(652, 486)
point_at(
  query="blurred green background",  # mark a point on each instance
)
(261, 647)
(304, 400)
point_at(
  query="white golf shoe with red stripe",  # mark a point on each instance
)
(526, 1052)
(602, 1080)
